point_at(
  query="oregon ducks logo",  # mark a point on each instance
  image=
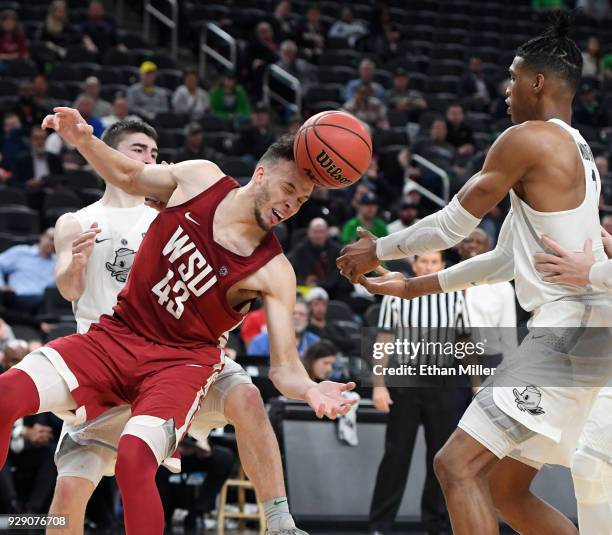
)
(330, 167)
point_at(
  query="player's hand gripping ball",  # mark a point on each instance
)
(333, 149)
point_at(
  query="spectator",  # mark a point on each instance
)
(190, 98)
(229, 99)
(120, 112)
(36, 163)
(198, 458)
(606, 66)
(253, 140)
(295, 66)
(388, 43)
(314, 258)
(348, 28)
(91, 88)
(435, 147)
(145, 98)
(319, 360)
(474, 84)
(587, 109)
(32, 446)
(29, 269)
(366, 219)
(6, 337)
(293, 124)
(400, 97)
(368, 108)
(597, 9)
(85, 106)
(317, 299)
(459, 134)
(27, 109)
(281, 21)
(195, 145)
(11, 143)
(99, 32)
(367, 69)
(260, 345)
(254, 323)
(606, 178)
(261, 52)
(13, 41)
(311, 35)
(591, 58)
(490, 305)
(56, 31)
(407, 213)
(384, 189)
(606, 223)
(39, 93)
(499, 108)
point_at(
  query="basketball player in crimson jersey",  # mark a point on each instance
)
(95, 247)
(204, 259)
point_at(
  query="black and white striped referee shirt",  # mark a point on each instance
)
(431, 318)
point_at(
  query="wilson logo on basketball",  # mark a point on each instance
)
(335, 172)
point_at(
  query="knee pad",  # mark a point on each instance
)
(592, 478)
(158, 434)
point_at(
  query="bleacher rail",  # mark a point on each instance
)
(437, 171)
(282, 76)
(172, 23)
(228, 63)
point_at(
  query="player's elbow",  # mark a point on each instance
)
(68, 292)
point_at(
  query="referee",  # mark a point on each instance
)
(433, 318)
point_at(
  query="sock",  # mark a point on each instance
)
(19, 398)
(277, 514)
(135, 473)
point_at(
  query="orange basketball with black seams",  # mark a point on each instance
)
(333, 149)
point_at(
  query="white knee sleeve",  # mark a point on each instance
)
(593, 486)
(158, 434)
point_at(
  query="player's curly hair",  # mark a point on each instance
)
(554, 51)
(115, 133)
(281, 149)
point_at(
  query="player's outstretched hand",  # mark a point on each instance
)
(326, 399)
(389, 283)
(83, 245)
(359, 257)
(563, 266)
(69, 124)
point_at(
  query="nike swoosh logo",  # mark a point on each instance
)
(278, 502)
(188, 216)
(100, 241)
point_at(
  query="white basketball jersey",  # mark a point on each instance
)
(122, 230)
(569, 228)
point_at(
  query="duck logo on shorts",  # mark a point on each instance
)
(529, 400)
(120, 268)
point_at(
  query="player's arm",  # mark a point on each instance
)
(133, 177)
(488, 268)
(73, 247)
(286, 370)
(575, 267)
(510, 158)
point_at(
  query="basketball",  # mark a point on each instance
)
(333, 149)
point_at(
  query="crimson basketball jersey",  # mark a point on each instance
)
(176, 291)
